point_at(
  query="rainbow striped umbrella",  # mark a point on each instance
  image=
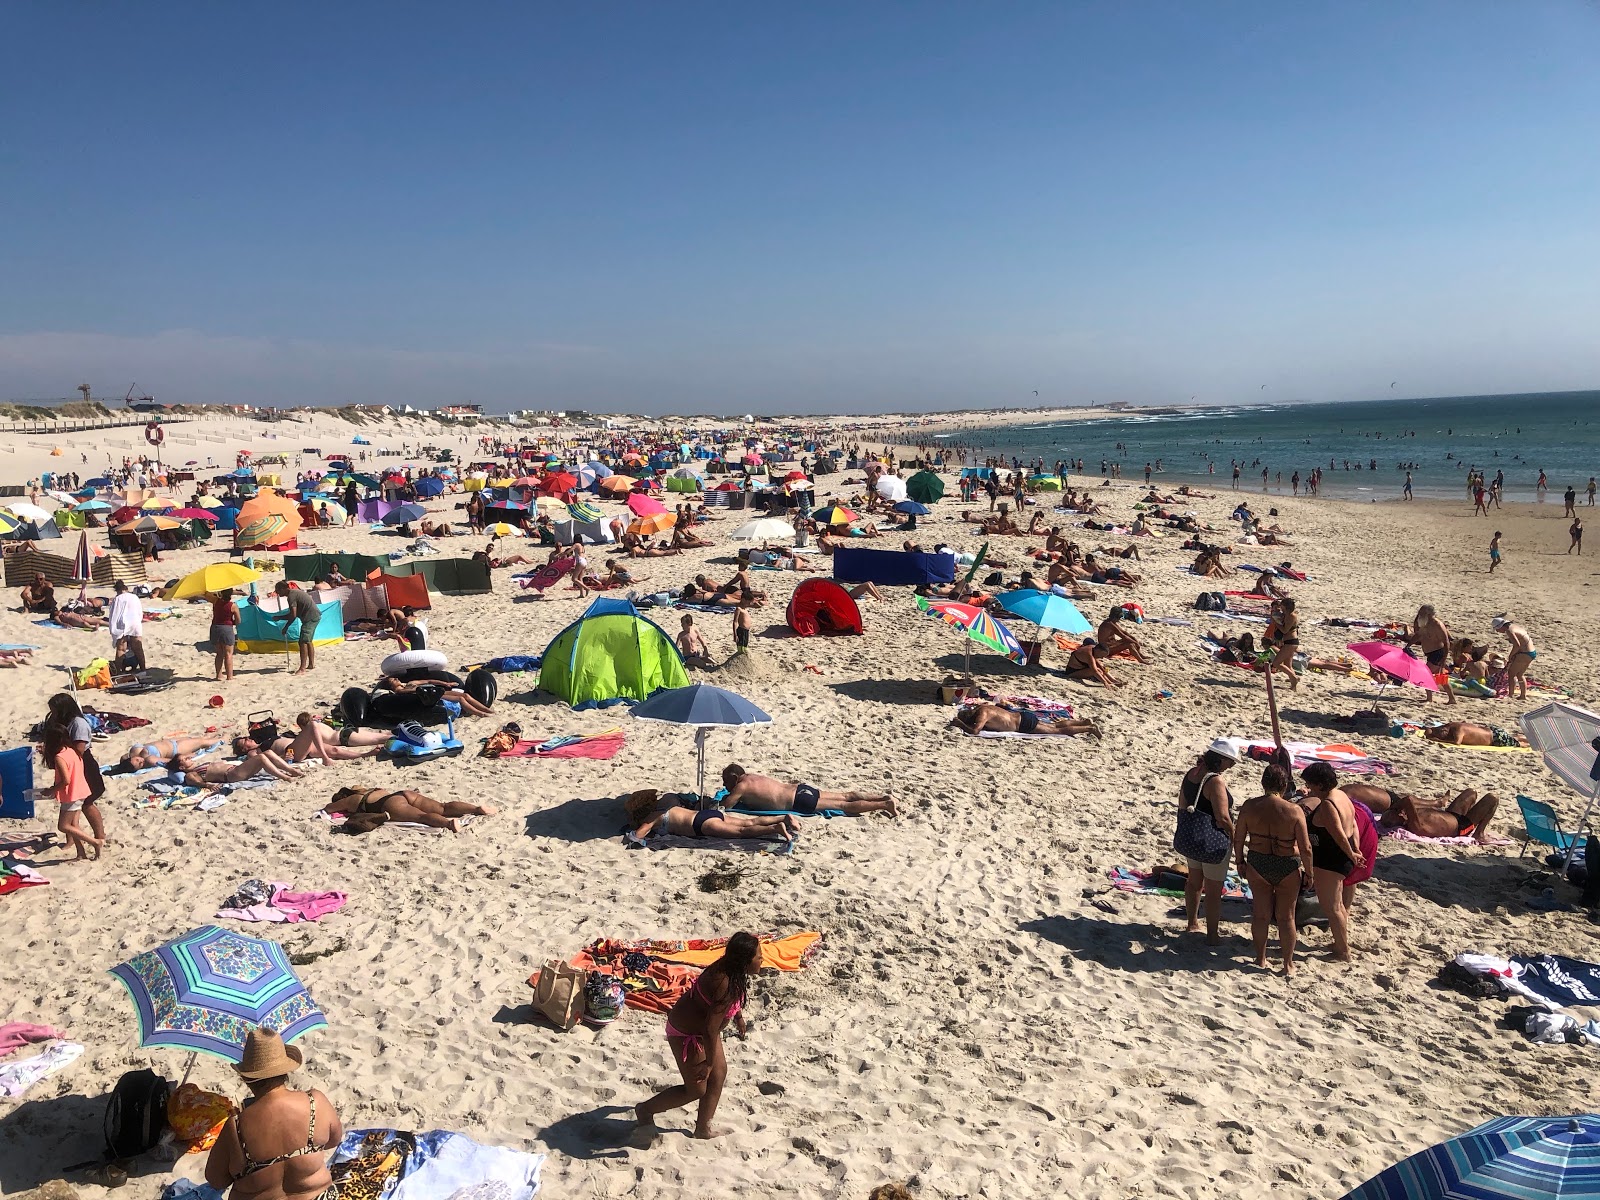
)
(207, 989)
(979, 627)
(1518, 1158)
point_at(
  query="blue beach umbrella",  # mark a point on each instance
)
(912, 507)
(430, 487)
(704, 707)
(1518, 1158)
(207, 989)
(404, 514)
(1046, 610)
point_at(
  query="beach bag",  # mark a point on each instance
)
(197, 1116)
(1198, 837)
(558, 993)
(96, 675)
(136, 1115)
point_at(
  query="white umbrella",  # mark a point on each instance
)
(763, 529)
(29, 512)
(892, 488)
(1568, 738)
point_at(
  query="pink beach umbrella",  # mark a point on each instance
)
(645, 506)
(1398, 666)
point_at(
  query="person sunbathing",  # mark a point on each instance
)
(1240, 649)
(761, 792)
(185, 771)
(1084, 664)
(1115, 576)
(1208, 565)
(367, 808)
(682, 539)
(163, 750)
(437, 529)
(489, 559)
(636, 547)
(647, 817)
(444, 688)
(1113, 639)
(1467, 814)
(1265, 585)
(1469, 733)
(979, 718)
(1120, 552)
(75, 620)
(316, 740)
(38, 596)
(866, 529)
(15, 658)
(618, 576)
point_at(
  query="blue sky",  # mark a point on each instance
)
(828, 207)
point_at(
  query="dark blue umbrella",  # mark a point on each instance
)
(912, 507)
(209, 988)
(1517, 1158)
(99, 481)
(704, 707)
(430, 487)
(404, 515)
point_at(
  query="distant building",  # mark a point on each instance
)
(459, 410)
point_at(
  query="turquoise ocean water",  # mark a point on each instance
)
(1440, 439)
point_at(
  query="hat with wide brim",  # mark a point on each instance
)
(1225, 748)
(266, 1057)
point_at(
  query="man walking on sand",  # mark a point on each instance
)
(299, 606)
(1570, 496)
(1494, 551)
(1576, 530)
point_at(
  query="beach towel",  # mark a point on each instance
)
(1552, 981)
(594, 745)
(508, 664)
(656, 974)
(16, 1078)
(14, 876)
(1067, 645)
(996, 733)
(388, 1164)
(1128, 879)
(16, 1034)
(1405, 835)
(548, 575)
(1041, 705)
(285, 907)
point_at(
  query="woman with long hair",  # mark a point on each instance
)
(64, 713)
(694, 1033)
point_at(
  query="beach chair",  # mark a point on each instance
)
(1544, 826)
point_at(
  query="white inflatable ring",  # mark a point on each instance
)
(402, 661)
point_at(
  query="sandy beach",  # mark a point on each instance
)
(985, 1017)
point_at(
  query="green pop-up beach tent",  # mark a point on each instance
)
(610, 655)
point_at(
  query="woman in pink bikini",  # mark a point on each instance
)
(694, 1032)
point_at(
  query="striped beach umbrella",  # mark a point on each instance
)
(584, 512)
(835, 514)
(150, 523)
(207, 989)
(1568, 739)
(979, 627)
(1516, 1158)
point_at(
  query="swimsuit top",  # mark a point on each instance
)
(733, 1010)
(1193, 795)
(251, 1166)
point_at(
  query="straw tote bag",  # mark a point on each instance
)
(558, 993)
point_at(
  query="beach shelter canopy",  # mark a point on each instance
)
(925, 487)
(822, 606)
(302, 568)
(894, 568)
(452, 576)
(206, 990)
(594, 533)
(1568, 739)
(610, 655)
(260, 634)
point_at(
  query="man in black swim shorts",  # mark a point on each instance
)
(759, 793)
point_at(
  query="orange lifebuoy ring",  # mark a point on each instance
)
(154, 434)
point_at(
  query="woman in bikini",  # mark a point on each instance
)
(1335, 848)
(694, 1033)
(1285, 632)
(291, 1131)
(163, 750)
(316, 740)
(375, 806)
(185, 772)
(1272, 851)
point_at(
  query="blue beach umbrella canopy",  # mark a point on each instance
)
(1046, 610)
(912, 507)
(705, 708)
(207, 989)
(404, 514)
(1520, 1158)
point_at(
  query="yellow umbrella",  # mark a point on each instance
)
(213, 577)
(157, 503)
(501, 529)
(210, 502)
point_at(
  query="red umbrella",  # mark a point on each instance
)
(645, 506)
(196, 514)
(558, 482)
(796, 477)
(1393, 661)
(126, 513)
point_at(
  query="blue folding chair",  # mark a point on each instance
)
(1544, 826)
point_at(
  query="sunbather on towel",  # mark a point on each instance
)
(447, 690)
(367, 808)
(316, 740)
(646, 816)
(163, 750)
(1465, 815)
(978, 718)
(773, 795)
(184, 770)
(1469, 733)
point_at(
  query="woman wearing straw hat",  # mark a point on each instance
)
(275, 1149)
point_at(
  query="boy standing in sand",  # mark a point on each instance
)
(741, 622)
(1494, 551)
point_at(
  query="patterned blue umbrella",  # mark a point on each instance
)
(207, 989)
(1522, 1158)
